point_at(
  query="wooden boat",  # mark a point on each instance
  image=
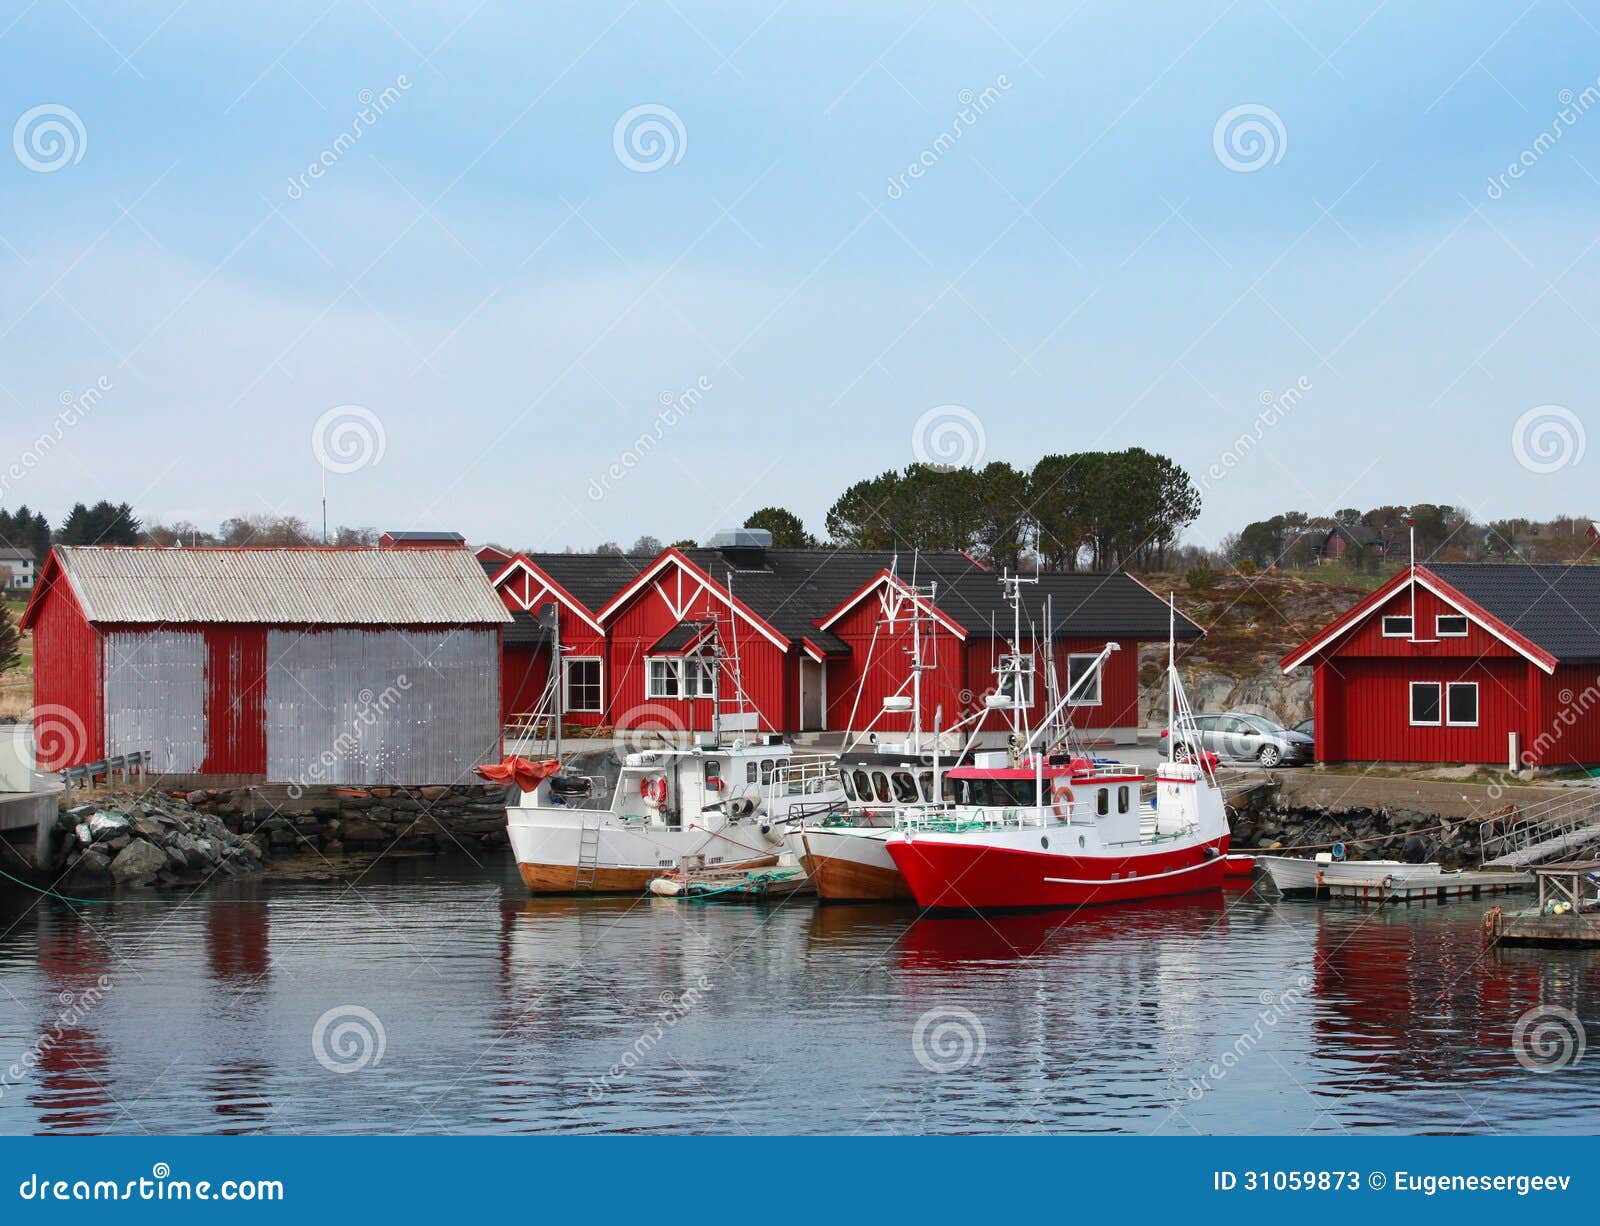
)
(730, 885)
(1324, 875)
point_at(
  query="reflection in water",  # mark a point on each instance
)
(504, 1013)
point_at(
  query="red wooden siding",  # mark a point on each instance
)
(678, 594)
(1364, 710)
(1566, 727)
(1119, 682)
(68, 726)
(524, 672)
(878, 669)
(1367, 639)
(524, 668)
(236, 692)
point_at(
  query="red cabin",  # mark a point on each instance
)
(1489, 663)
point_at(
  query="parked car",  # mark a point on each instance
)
(1239, 736)
(1306, 727)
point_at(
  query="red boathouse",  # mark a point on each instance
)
(1490, 663)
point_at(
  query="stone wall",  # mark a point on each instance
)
(335, 820)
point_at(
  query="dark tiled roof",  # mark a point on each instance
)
(1555, 607)
(1358, 534)
(525, 630)
(454, 538)
(592, 579)
(793, 588)
(1083, 604)
(678, 638)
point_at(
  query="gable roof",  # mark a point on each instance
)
(583, 581)
(304, 586)
(452, 538)
(1359, 535)
(1548, 614)
(16, 555)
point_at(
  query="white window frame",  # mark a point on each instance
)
(692, 667)
(1439, 632)
(1411, 705)
(1476, 713)
(566, 684)
(674, 666)
(1090, 697)
(1398, 617)
(1020, 670)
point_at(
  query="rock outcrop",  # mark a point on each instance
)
(140, 841)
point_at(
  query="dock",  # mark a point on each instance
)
(1568, 913)
(1384, 888)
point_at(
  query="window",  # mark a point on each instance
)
(752, 772)
(1102, 804)
(1425, 704)
(880, 787)
(664, 679)
(1450, 626)
(1396, 627)
(583, 686)
(713, 774)
(863, 784)
(1461, 707)
(700, 679)
(1123, 803)
(925, 785)
(1089, 695)
(905, 788)
(1000, 793)
(767, 765)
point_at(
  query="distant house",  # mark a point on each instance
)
(421, 540)
(1342, 538)
(1492, 663)
(17, 567)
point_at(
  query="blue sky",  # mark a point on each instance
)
(483, 274)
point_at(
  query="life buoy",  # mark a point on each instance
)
(653, 788)
(1061, 800)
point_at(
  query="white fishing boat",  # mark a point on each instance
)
(1324, 873)
(720, 803)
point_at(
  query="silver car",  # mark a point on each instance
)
(1239, 736)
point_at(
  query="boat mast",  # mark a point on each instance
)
(1172, 673)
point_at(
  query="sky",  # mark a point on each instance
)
(569, 273)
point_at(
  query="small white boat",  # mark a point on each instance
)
(1321, 873)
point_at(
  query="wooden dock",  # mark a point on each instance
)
(1568, 912)
(1385, 888)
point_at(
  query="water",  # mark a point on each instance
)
(503, 1014)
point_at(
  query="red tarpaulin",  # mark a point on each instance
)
(525, 774)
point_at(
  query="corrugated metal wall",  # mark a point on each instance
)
(381, 707)
(155, 693)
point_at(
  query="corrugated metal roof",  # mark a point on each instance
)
(286, 587)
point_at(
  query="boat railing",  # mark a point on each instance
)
(1556, 822)
(805, 776)
(956, 818)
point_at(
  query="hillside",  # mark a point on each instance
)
(16, 686)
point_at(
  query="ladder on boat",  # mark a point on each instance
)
(588, 856)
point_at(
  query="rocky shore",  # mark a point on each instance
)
(1367, 833)
(167, 837)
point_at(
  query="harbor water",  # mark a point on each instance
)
(431, 995)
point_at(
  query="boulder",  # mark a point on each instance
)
(92, 868)
(138, 863)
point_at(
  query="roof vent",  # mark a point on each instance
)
(744, 548)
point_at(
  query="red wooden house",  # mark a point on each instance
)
(1462, 663)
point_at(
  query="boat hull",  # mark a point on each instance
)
(852, 866)
(950, 872)
(566, 879)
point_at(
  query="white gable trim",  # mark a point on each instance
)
(546, 587)
(891, 601)
(679, 598)
(1421, 581)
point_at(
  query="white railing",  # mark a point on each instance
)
(805, 776)
(1555, 822)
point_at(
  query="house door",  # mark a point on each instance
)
(811, 695)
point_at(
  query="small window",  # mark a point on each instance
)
(925, 785)
(664, 679)
(1450, 626)
(1397, 627)
(1123, 803)
(752, 772)
(863, 784)
(1462, 704)
(905, 788)
(713, 772)
(766, 771)
(1089, 695)
(700, 679)
(880, 786)
(951, 790)
(583, 688)
(1103, 801)
(1425, 703)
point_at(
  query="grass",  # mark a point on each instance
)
(16, 686)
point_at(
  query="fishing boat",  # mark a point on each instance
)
(1325, 872)
(720, 803)
(1040, 826)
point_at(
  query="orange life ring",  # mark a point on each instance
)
(653, 788)
(1061, 800)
